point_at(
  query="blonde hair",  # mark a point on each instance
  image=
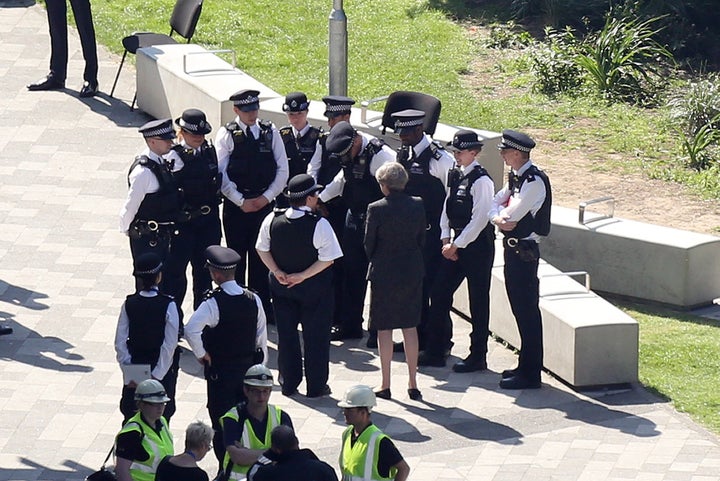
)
(393, 176)
(198, 435)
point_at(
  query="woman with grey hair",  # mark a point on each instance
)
(184, 467)
(394, 240)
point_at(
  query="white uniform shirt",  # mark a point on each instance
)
(438, 167)
(142, 182)
(514, 205)
(208, 314)
(482, 196)
(324, 239)
(224, 146)
(170, 339)
(335, 188)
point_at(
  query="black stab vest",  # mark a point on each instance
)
(147, 327)
(299, 152)
(232, 341)
(361, 188)
(291, 241)
(252, 164)
(163, 205)
(459, 204)
(421, 183)
(540, 222)
(199, 178)
(329, 165)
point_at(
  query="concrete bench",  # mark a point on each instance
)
(637, 260)
(587, 341)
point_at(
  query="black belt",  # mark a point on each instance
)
(514, 241)
(188, 215)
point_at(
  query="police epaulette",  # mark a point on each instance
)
(375, 145)
(265, 124)
(286, 130)
(436, 148)
(232, 127)
(142, 160)
(211, 292)
(279, 210)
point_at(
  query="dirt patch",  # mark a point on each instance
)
(577, 173)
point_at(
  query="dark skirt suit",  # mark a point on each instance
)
(394, 240)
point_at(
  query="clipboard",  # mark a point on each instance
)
(135, 372)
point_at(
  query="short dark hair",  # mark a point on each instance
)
(283, 439)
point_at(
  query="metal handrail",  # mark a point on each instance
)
(204, 52)
(581, 208)
(570, 274)
(365, 104)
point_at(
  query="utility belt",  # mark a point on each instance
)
(525, 249)
(189, 214)
(151, 229)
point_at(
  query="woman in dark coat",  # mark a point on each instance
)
(394, 239)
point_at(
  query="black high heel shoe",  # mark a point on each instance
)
(415, 394)
(384, 394)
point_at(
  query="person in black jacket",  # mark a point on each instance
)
(285, 461)
(147, 333)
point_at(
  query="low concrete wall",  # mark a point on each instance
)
(634, 259)
(587, 341)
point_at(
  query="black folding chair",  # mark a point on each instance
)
(183, 21)
(402, 100)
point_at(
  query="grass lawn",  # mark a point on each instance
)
(414, 45)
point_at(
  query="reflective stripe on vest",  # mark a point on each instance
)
(367, 447)
(250, 441)
(156, 445)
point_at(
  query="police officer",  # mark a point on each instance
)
(195, 168)
(227, 334)
(521, 210)
(359, 155)
(362, 439)
(468, 254)
(324, 170)
(428, 165)
(147, 333)
(298, 247)
(145, 439)
(247, 426)
(153, 201)
(252, 159)
(301, 139)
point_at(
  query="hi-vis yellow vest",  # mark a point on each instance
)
(359, 462)
(249, 440)
(156, 445)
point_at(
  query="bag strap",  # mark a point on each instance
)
(108, 457)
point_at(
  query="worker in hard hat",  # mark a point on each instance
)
(145, 439)
(363, 439)
(247, 426)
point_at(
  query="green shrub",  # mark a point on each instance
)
(507, 35)
(553, 63)
(624, 62)
(695, 105)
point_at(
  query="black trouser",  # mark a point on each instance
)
(241, 233)
(474, 264)
(224, 391)
(309, 305)
(523, 290)
(189, 247)
(128, 405)
(57, 22)
(158, 243)
(355, 266)
(432, 255)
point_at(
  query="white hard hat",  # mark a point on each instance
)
(358, 396)
(151, 391)
(258, 375)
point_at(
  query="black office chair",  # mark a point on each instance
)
(402, 100)
(183, 21)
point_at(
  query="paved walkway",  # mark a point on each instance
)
(65, 270)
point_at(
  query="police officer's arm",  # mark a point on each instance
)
(262, 246)
(261, 331)
(530, 199)
(334, 188)
(499, 202)
(385, 155)
(315, 161)
(207, 314)
(482, 195)
(170, 341)
(121, 335)
(281, 174)
(141, 180)
(223, 147)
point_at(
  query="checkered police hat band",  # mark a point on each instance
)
(338, 108)
(188, 126)
(222, 268)
(154, 270)
(298, 195)
(408, 123)
(347, 149)
(514, 145)
(158, 132)
(248, 101)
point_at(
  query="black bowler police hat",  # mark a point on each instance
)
(246, 100)
(512, 139)
(336, 105)
(222, 258)
(147, 264)
(300, 186)
(194, 121)
(295, 102)
(465, 140)
(407, 120)
(162, 128)
(340, 139)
